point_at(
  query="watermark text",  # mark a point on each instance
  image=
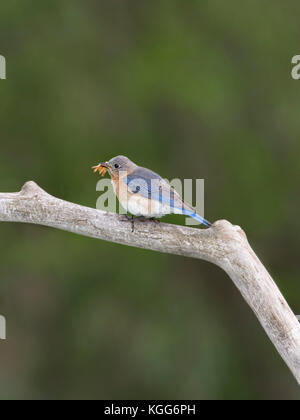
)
(2, 328)
(2, 67)
(296, 68)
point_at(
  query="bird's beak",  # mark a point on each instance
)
(102, 168)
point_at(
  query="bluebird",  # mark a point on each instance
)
(143, 193)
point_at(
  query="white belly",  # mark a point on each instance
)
(141, 206)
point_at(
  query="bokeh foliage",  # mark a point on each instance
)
(192, 89)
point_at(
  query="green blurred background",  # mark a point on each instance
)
(192, 89)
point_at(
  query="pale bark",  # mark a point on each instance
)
(223, 244)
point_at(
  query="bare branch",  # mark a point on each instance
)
(223, 244)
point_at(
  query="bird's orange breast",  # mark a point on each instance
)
(120, 187)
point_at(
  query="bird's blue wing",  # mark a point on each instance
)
(150, 185)
(140, 181)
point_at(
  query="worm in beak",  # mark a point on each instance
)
(102, 168)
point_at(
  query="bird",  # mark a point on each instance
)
(144, 193)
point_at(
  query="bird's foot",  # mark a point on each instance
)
(126, 218)
(132, 219)
(154, 220)
(141, 218)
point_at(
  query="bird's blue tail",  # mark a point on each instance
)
(196, 216)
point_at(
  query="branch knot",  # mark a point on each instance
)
(31, 189)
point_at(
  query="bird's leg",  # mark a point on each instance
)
(132, 219)
(153, 219)
(126, 218)
(141, 218)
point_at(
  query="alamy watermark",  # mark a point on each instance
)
(2, 67)
(2, 328)
(296, 68)
(161, 200)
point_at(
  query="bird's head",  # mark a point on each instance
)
(115, 166)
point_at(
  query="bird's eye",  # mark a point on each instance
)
(116, 166)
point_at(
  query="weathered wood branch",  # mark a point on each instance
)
(223, 244)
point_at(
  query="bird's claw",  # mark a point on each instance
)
(155, 220)
(126, 218)
(132, 219)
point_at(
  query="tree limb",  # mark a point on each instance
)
(223, 244)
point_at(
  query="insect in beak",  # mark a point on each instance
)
(102, 168)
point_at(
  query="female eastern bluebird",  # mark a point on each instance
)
(144, 193)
